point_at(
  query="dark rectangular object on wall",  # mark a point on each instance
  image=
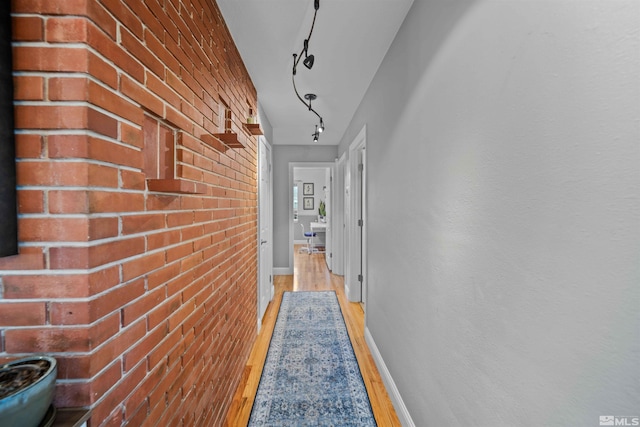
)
(8, 206)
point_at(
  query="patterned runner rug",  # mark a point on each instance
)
(311, 376)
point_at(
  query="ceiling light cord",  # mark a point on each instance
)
(305, 102)
(305, 46)
(308, 62)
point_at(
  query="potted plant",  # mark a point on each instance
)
(26, 391)
(322, 210)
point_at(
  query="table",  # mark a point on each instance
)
(317, 227)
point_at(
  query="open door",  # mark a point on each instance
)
(265, 238)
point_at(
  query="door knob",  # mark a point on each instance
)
(262, 242)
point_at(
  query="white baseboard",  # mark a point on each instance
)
(282, 271)
(394, 394)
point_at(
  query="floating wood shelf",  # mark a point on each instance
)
(214, 142)
(230, 139)
(253, 128)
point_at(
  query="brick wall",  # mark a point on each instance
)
(143, 287)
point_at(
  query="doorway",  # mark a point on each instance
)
(310, 205)
(265, 232)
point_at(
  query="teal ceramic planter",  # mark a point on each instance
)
(26, 407)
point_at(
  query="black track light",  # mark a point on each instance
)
(321, 128)
(308, 61)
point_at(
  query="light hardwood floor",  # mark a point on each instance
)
(311, 274)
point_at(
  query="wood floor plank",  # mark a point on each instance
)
(311, 274)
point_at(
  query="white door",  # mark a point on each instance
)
(328, 244)
(355, 219)
(265, 241)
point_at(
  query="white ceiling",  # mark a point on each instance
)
(349, 41)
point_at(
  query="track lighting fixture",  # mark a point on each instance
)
(308, 63)
(308, 59)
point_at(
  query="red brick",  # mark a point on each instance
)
(103, 280)
(139, 94)
(117, 346)
(66, 29)
(42, 286)
(104, 330)
(141, 52)
(102, 70)
(162, 90)
(50, 117)
(53, 229)
(132, 180)
(102, 228)
(70, 201)
(68, 88)
(112, 201)
(30, 201)
(22, 313)
(102, 176)
(132, 224)
(131, 135)
(124, 15)
(73, 367)
(27, 28)
(47, 340)
(28, 146)
(139, 308)
(159, 353)
(68, 146)
(115, 53)
(72, 394)
(139, 396)
(70, 313)
(102, 18)
(101, 123)
(35, 58)
(105, 380)
(160, 314)
(114, 103)
(138, 351)
(48, 7)
(154, 44)
(28, 88)
(49, 173)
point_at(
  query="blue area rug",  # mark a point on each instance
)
(311, 376)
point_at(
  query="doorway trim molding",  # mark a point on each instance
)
(268, 205)
(357, 191)
(292, 166)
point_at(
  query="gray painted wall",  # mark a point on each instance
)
(265, 124)
(503, 162)
(282, 156)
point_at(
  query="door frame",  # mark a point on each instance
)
(268, 205)
(292, 166)
(356, 251)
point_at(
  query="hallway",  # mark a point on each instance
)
(311, 274)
